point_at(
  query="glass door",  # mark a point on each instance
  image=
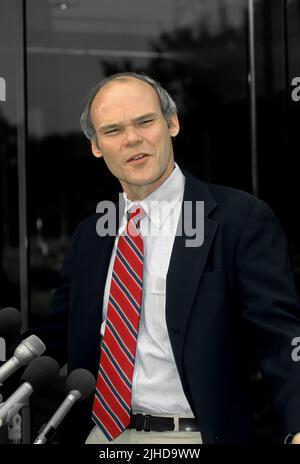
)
(13, 227)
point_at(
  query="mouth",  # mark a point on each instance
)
(138, 157)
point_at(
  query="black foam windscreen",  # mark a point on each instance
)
(81, 380)
(10, 322)
(41, 372)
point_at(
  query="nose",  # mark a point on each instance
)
(132, 136)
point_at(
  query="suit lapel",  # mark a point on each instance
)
(186, 268)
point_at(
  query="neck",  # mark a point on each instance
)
(140, 192)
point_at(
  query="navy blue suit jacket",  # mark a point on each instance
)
(232, 294)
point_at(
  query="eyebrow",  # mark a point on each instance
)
(135, 120)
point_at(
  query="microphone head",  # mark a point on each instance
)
(40, 373)
(81, 380)
(28, 349)
(10, 322)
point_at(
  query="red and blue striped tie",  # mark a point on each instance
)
(112, 403)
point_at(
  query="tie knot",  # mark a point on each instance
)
(136, 213)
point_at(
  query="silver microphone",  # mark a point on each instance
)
(10, 329)
(26, 351)
(80, 384)
(38, 375)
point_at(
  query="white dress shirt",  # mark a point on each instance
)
(156, 386)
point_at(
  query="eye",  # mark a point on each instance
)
(144, 122)
(113, 131)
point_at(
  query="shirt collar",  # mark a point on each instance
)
(159, 204)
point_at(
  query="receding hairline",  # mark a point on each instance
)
(124, 79)
(166, 103)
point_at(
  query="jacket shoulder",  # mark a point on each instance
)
(232, 196)
(229, 204)
(240, 207)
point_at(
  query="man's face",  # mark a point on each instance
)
(133, 136)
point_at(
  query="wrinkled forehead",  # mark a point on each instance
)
(121, 82)
(125, 92)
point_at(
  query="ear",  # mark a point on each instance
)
(96, 150)
(174, 125)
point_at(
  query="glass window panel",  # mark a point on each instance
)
(196, 48)
(13, 269)
(291, 158)
(10, 69)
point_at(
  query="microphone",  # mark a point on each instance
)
(80, 384)
(26, 351)
(10, 328)
(10, 322)
(38, 375)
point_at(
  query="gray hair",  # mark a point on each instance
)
(167, 104)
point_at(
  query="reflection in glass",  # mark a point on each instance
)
(197, 49)
(9, 118)
(293, 122)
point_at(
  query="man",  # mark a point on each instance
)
(173, 369)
